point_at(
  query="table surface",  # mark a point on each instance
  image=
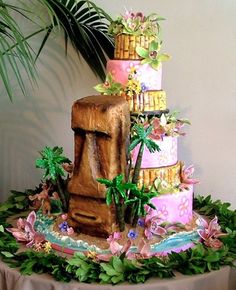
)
(224, 279)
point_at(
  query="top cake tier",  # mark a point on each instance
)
(125, 46)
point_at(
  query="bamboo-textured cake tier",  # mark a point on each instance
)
(125, 45)
(170, 174)
(147, 101)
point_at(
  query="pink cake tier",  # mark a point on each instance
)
(166, 157)
(174, 207)
(149, 77)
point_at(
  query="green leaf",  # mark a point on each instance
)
(163, 57)
(142, 52)
(7, 254)
(105, 278)
(1, 229)
(109, 196)
(117, 264)
(109, 269)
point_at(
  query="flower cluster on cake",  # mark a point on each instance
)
(126, 196)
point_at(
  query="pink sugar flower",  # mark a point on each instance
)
(64, 216)
(185, 176)
(25, 231)
(115, 247)
(70, 231)
(184, 206)
(210, 232)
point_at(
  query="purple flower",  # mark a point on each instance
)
(141, 222)
(132, 235)
(144, 88)
(63, 226)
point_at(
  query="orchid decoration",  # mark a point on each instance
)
(210, 232)
(163, 187)
(109, 87)
(25, 232)
(185, 176)
(136, 24)
(152, 55)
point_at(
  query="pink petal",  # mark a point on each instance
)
(31, 218)
(115, 247)
(126, 246)
(20, 236)
(159, 231)
(21, 223)
(104, 257)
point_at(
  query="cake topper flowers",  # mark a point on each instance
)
(152, 55)
(136, 24)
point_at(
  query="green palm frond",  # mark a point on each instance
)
(152, 146)
(51, 162)
(86, 26)
(15, 53)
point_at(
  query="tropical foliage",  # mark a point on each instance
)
(51, 161)
(84, 24)
(141, 198)
(117, 192)
(140, 137)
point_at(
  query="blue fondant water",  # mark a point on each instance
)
(44, 225)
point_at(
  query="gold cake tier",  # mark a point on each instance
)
(125, 45)
(147, 101)
(170, 174)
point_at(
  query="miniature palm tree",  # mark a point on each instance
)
(141, 137)
(116, 192)
(51, 161)
(138, 202)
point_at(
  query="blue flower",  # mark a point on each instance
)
(132, 235)
(144, 88)
(63, 226)
(141, 222)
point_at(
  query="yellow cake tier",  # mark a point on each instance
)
(147, 101)
(125, 45)
(170, 174)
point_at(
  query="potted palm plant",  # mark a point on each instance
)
(84, 24)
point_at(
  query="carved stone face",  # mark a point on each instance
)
(101, 125)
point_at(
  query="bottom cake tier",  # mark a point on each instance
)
(174, 207)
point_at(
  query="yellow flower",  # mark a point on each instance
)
(47, 247)
(91, 254)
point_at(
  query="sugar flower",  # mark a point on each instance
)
(185, 176)
(25, 231)
(210, 232)
(132, 235)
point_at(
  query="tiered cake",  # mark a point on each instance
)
(137, 66)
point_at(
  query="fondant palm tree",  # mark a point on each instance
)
(84, 24)
(141, 137)
(116, 192)
(51, 161)
(138, 202)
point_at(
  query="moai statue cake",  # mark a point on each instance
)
(101, 127)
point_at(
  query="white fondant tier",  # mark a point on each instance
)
(174, 207)
(166, 157)
(149, 77)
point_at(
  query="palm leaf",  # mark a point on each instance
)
(85, 25)
(152, 146)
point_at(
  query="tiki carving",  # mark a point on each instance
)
(101, 129)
